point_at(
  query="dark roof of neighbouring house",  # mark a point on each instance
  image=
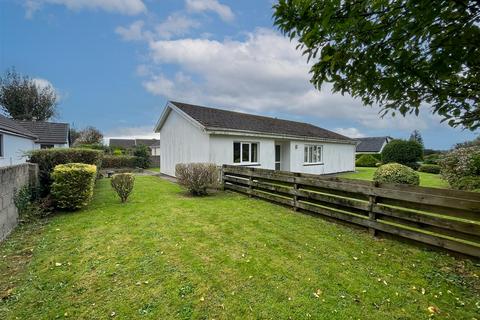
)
(47, 132)
(148, 142)
(212, 118)
(130, 143)
(371, 144)
(122, 143)
(12, 126)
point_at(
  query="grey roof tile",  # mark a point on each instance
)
(371, 144)
(212, 118)
(12, 126)
(47, 132)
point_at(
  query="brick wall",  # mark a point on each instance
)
(13, 178)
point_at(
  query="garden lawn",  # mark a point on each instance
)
(426, 179)
(166, 255)
(154, 169)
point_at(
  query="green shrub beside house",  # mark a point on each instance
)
(72, 186)
(396, 173)
(366, 160)
(408, 153)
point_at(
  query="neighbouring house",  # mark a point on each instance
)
(191, 133)
(371, 145)
(50, 134)
(152, 144)
(15, 140)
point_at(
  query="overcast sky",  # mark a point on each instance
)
(115, 63)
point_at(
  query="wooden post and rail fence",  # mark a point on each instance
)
(444, 218)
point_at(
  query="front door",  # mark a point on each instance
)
(277, 156)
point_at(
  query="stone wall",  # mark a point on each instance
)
(13, 178)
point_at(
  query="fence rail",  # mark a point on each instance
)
(444, 218)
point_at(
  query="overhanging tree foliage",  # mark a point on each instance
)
(22, 99)
(397, 53)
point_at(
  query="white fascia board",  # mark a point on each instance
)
(231, 132)
(171, 107)
(18, 135)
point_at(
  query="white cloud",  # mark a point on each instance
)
(134, 32)
(139, 132)
(224, 11)
(262, 74)
(43, 83)
(350, 132)
(128, 7)
(174, 25)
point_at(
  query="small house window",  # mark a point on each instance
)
(1, 145)
(313, 154)
(245, 152)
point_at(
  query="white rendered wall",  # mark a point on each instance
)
(221, 150)
(182, 142)
(14, 148)
(336, 158)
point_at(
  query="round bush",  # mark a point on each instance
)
(396, 173)
(72, 186)
(469, 183)
(123, 183)
(430, 168)
(402, 151)
(459, 163)
(366, 160)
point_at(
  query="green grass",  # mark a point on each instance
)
(426, 179)
(166, 255)
(155, 169)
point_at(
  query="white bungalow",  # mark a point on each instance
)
(191, 133)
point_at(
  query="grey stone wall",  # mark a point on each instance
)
(13, 178)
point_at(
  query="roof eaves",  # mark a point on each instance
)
(217, 130)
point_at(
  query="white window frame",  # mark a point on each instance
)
(250, 143)
(1, 145)
(312, 154)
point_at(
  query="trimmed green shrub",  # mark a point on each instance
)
(471, 183)
(72, 186)
(402, 151)
(119, 162)
(432, 158)
(143, 156)
(197, 177)
(366, 160)
(396, 173)
(430, 168)
(123, 183)
(47, 159)
(377, 156)
(460, 163)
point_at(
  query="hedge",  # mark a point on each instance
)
(120, 162)
(404, 152)
(197, 177)
(396, 173)
(72, 186)
(430, 168)
(460, 163)
(47, 159)
(377, 156)
(366, 160)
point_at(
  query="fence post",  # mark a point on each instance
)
(222, 177)
(372, 200)
(295, 191)
(250, 183)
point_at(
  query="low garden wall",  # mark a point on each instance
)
(13, 178)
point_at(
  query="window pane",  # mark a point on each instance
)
(310, 155)
(245, 152)
(305, 154)
(236, 152)
(314, 153)
(254, 152)
(320, 148)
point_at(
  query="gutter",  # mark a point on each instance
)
(225, 131)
